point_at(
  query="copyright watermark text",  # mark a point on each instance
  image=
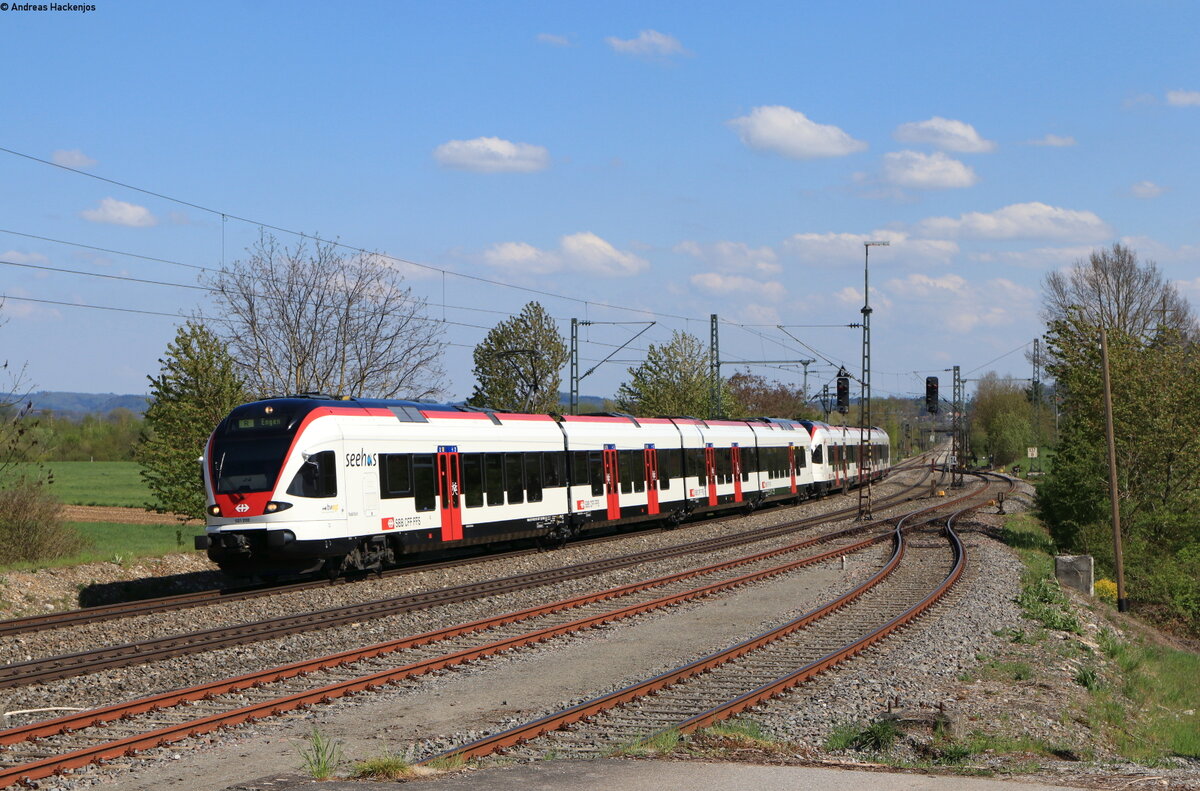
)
(79, 8)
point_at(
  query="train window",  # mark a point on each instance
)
(472, 469)
(695, 463)
(724, 465)
(802, 457)
(424, 482)
(317, 476)
(745, 459)
(595, 468)
(817, 454)
(494, 478)
(579, 467)
(668, 466)
(514, 478)
(662, 460)
(395, 475)
(533, 477)
(625, 474)
(554, 468)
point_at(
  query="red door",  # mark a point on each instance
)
(710, 466)
(792, 465)
(612, 479)
(735, 454)
(651, 461)
(449, 472)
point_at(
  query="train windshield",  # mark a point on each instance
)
(248, 451)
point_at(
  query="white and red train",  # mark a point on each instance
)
(310, 483)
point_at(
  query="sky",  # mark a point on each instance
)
(618, 162)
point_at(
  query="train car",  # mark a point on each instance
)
(313, 483)
(837, 454)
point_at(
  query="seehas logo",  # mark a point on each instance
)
(360, 459)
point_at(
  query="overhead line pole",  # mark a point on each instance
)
(865, 448)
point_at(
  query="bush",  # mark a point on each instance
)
(31, 526)
(1106, 591)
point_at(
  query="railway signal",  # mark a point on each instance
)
(843, 392)
(931, 394)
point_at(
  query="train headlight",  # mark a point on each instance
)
(214, 510)
(275, 505)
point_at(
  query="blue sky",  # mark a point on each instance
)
(678, 159)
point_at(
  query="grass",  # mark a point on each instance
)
(1142, 697)
(99, 483)
(386, 767)
(110, 541)
(661, 743)
(320, 755)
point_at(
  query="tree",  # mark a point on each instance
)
(311, 320)
(197, 386)
(518, 365)
(756, 397)
(1156, 419)
(673, 380)
(1000, 419)
(1112, 289)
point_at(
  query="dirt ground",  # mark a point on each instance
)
(130, 516)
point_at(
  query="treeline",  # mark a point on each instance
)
(1154, 363)
(110, 437)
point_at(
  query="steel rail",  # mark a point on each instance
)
(83, 662)
(558, 720)
(65, 725)
(45, 767)
(104, 612)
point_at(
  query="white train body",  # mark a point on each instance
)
(303, 483)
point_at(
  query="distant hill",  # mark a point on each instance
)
(80, 404)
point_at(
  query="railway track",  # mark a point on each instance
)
(37, 750)
(46, 669)
(723, 684)
(105, 612)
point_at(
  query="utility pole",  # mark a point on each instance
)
(864, 427)
(1037, 394)
(574, 400)
(1122, 602)
(806, 363)
(714, 368)
(958, 426)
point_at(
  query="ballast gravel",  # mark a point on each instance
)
(919, 669)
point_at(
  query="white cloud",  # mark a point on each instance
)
(648, 43)
(1057, 141)
(522, 257)
(1146, 189)
(717, 283)
(117, 212)
(492, 155)
(1038, 258)
(580, 252)
(946, 134)
(963, 306)
(1019, 221)
(784, 131)
(733, 256)
(926, 171)
(72, 158)
(554, 40)
(24, 258)
(587, 252)
(847, 248)
(1183, 98)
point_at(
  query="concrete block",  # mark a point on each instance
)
(1076, 571)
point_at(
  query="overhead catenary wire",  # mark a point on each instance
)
(312, 237)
